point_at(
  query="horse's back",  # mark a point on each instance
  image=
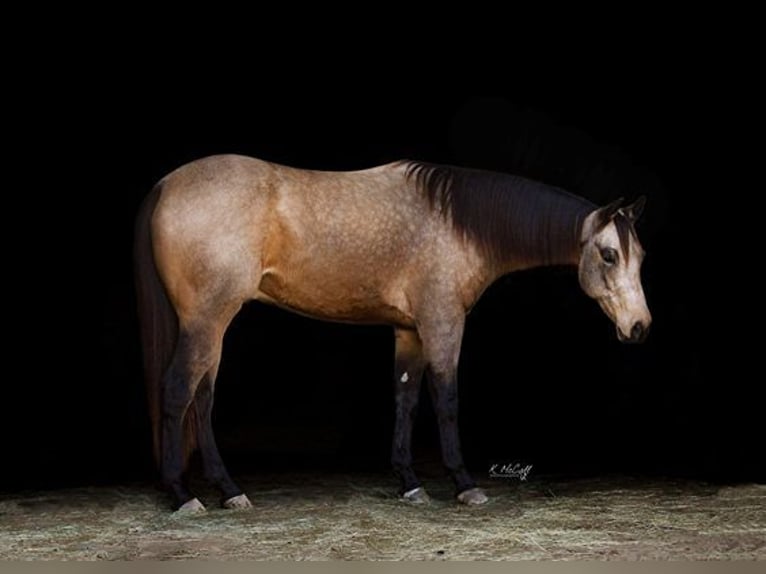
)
(235, 180)
(370, 210)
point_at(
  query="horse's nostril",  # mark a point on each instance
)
(637, 332)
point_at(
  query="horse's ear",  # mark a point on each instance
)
(607, 213)
(600, 217)
(635, 209)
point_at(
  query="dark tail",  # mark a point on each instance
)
(159, 326)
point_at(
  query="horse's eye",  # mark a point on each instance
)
(609, 255)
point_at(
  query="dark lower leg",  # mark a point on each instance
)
(213, 466)
(443, 389)
(408, 374)
(401, 452)
(194, 356)
(175, 405)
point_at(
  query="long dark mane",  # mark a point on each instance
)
(506, 215)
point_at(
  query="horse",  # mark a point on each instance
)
(408, 244)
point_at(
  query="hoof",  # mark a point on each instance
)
(472, 496)
(237, 502)
(416, 496)
(192, 506)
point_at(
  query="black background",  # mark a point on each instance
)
(542, 378)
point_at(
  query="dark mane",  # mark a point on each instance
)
(506, 215)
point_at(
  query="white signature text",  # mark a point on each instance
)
(510, 470)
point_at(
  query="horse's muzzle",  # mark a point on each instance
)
(638, 333)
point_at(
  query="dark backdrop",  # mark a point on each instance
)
(542, 378)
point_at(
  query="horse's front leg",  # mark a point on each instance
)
(408, 374)
(442, 350)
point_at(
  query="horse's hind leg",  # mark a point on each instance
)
(408, 374)
(197, 352)
(215, 471)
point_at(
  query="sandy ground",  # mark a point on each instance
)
(321, 517)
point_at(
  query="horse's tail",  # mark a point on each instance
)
(158, 324)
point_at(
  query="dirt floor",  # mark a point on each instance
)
(321, 517)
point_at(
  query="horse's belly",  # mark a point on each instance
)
(322, 298)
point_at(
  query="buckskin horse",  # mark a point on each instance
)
(407, 244)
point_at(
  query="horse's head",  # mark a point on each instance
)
(610, 268)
